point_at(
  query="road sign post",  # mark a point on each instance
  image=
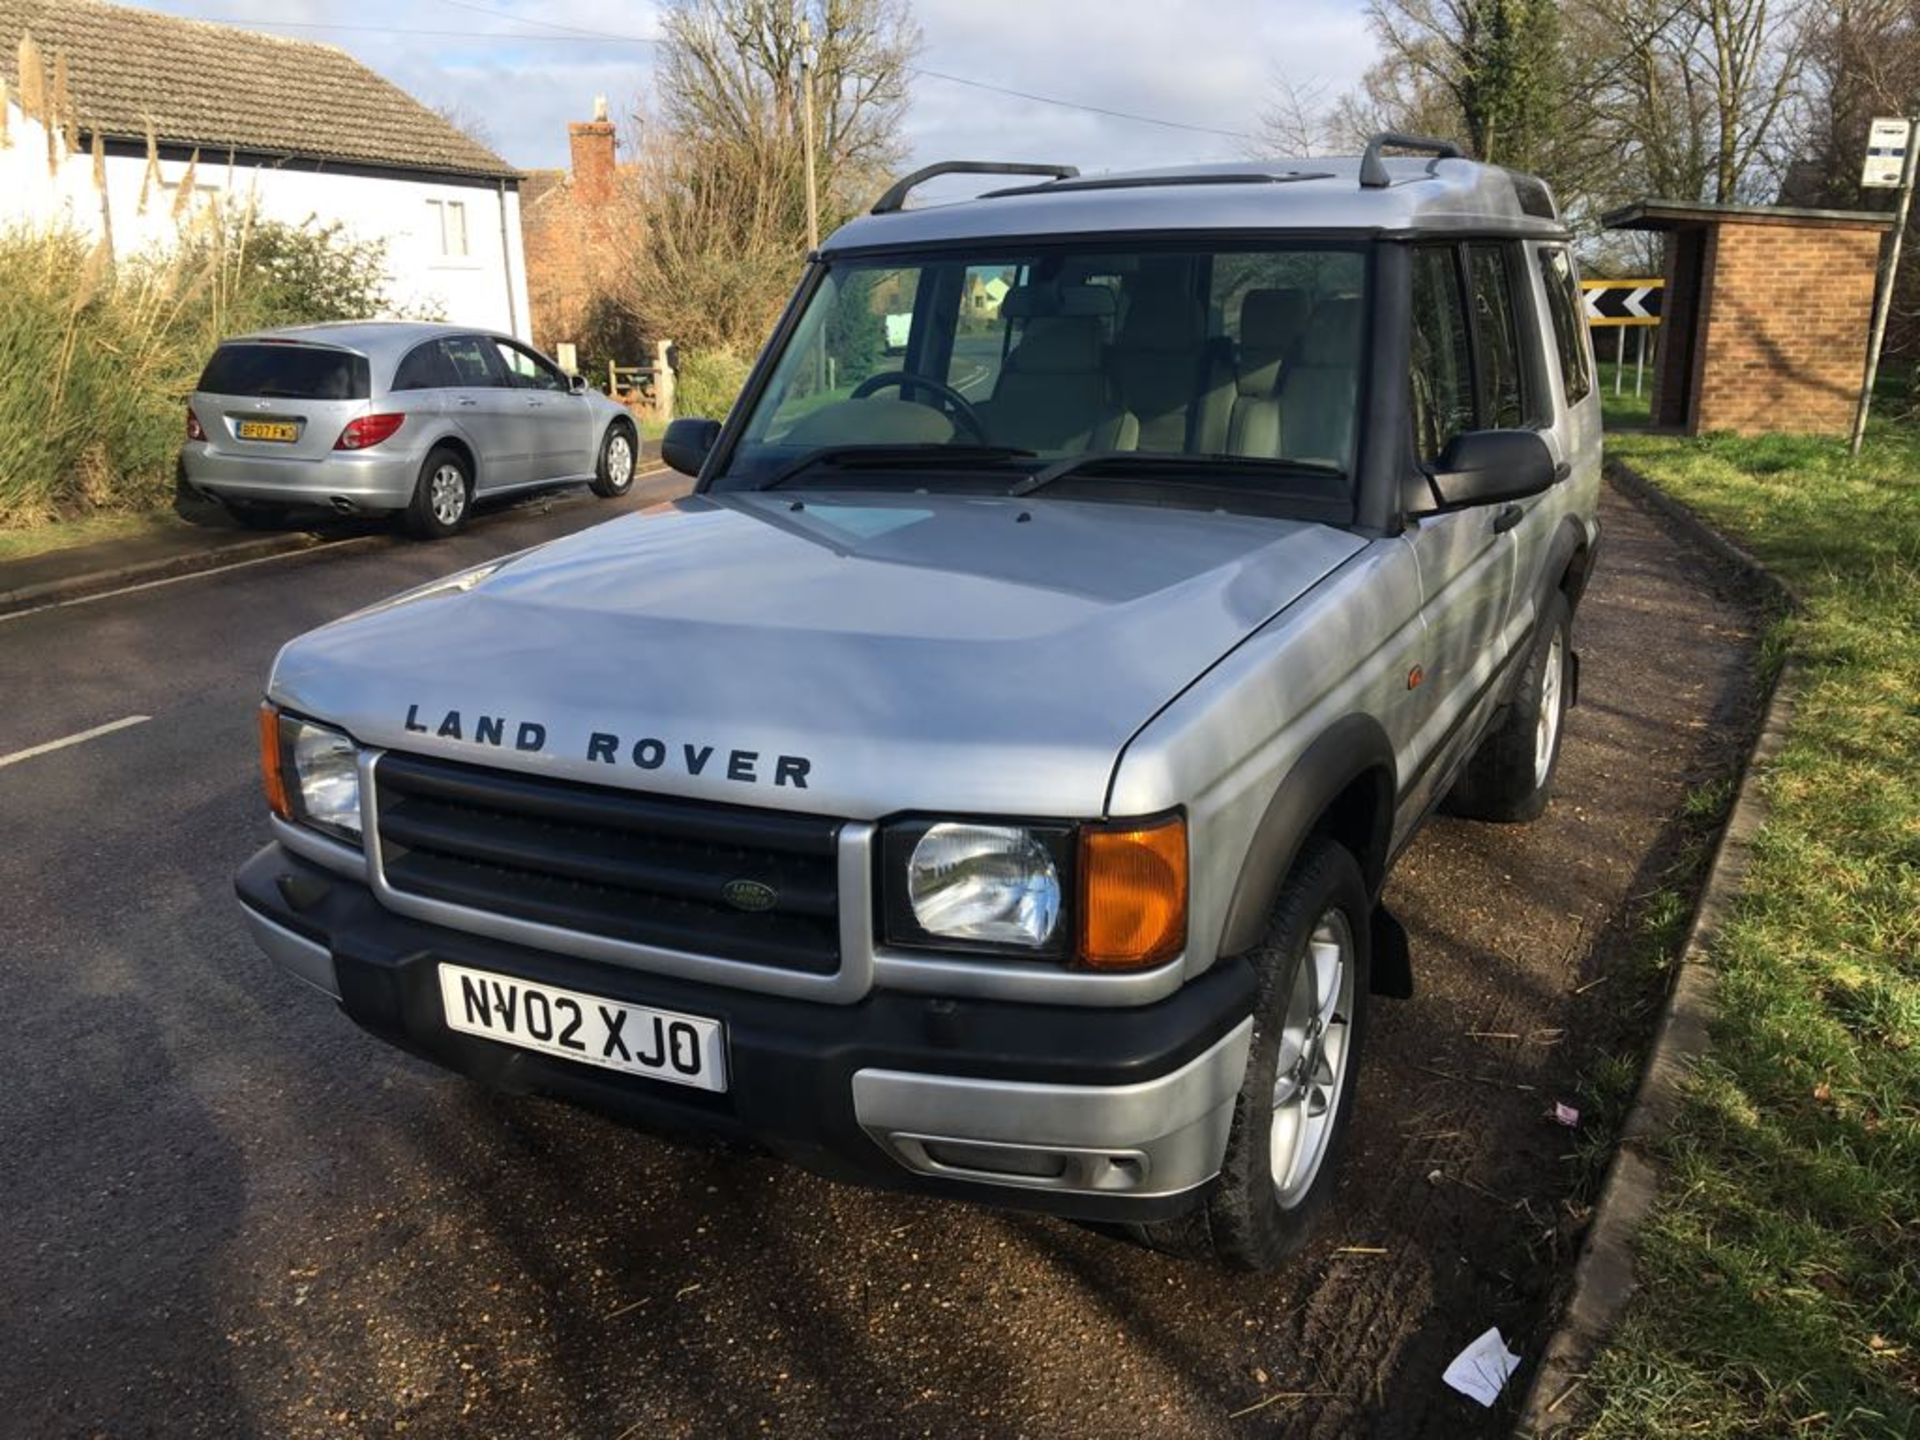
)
(1890, 153)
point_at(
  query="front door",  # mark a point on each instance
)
(559, 428)
(1465, 373)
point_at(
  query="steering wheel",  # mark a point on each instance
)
(961, 407)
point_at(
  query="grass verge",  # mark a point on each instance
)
(1780, 1272)
(23, 543)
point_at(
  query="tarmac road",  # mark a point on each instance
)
(228, 1212)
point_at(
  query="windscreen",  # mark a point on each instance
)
(1237, 353)
(291, 372)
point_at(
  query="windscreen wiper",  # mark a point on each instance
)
(901, 457)
(1172, 467)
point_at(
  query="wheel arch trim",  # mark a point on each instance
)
(1351, 758)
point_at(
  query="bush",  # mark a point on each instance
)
(97, 357)
(708, 383)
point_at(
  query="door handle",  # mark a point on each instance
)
(468, 400)
(1506, 517)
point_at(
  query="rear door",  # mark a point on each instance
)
(284, 399)
(484, 404)
(561, 429)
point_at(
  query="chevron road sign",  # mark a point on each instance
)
(1623, 302)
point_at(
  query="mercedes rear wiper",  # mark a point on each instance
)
(1172, 466)
(902, 457)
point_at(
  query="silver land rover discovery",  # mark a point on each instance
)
(984, 782)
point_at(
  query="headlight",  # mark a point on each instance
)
(1106, 895)
(312, 773)
(982, 885)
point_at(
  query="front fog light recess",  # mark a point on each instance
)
(326, 775)
(993, 884)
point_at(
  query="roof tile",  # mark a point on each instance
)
(222, 88)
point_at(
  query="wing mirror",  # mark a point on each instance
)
(1484, 467)
(576, 384)
(687, 444)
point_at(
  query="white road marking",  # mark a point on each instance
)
(350, 544)
(95, 733)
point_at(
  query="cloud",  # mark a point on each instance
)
(1212, 64)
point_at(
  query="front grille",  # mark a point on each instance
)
(647, 869)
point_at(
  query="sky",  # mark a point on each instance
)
(524, 68)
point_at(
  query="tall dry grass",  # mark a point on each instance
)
(97, 357)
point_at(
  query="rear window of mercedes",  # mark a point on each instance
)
(287, 372)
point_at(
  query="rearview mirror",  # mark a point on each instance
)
(576, 384)
(687, 443)
(1485, 467)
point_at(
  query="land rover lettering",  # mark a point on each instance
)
(647, 752)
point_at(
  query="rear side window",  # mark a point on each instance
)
(470, 361)
(1497, 339)
(287, 372)
(425, 368)
(1442, 358)
(1569, 331)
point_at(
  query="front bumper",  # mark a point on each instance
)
(366, 479)
(1115, 1113)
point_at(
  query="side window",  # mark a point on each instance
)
(1442, 356)
(1496, 338)
(527, 371)
(1569, 326)
(470, 361)
(980, 329)
(422, 369)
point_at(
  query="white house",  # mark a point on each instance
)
(140, 104)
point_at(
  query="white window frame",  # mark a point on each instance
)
(450, 224)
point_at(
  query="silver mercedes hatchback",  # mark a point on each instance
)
(396, 418)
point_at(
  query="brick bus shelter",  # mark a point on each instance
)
(1765, 316)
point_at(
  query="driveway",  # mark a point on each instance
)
(229, 1212)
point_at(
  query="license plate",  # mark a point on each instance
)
(681, 1049)
(284, 432)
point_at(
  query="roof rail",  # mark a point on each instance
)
(1373, 171)
(897, 192)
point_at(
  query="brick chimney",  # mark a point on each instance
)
(591, 142)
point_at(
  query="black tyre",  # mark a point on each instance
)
(619, 453)
(257, 514)
(1291, 1117)
(442, 496)
(1510, 777)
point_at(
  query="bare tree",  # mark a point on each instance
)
(719, 217)
(1294, 121)
(729, 77)
(469, 121)
(1697, 100)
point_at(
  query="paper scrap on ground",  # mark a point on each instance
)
(1479, 1371)
(1565, 1114)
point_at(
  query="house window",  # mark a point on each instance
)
(449, 225)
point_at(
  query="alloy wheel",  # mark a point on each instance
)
(447, 494)
(1546, 729)
(1311, 1073)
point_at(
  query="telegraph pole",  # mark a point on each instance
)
(1890, 267)
(806, 130)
